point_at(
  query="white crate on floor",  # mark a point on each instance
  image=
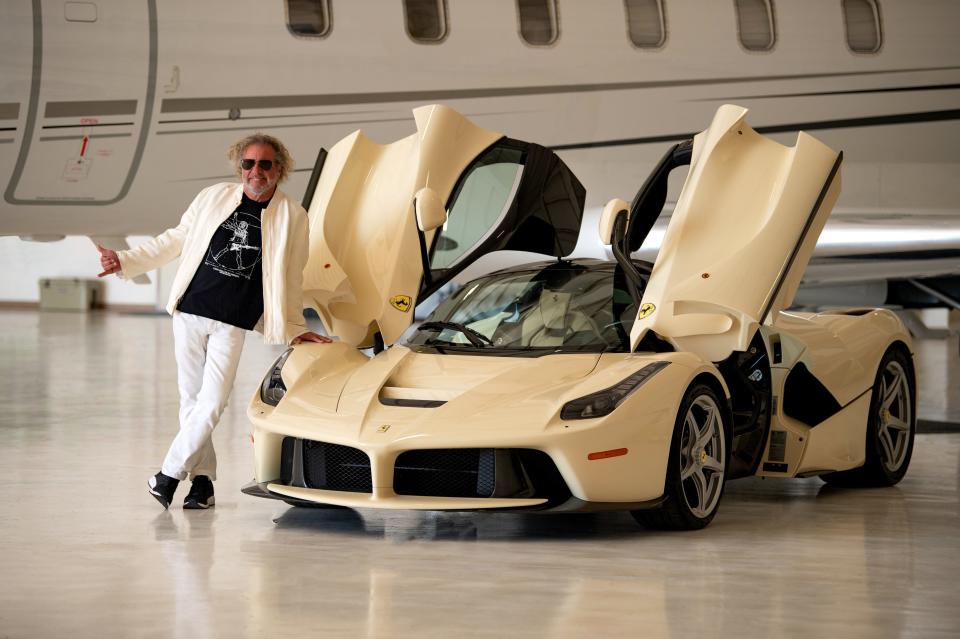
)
(69, 294)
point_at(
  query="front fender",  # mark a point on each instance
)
(643, 425)
(312, 363)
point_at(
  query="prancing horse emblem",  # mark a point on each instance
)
(645, 310)
(384, 428)
(401, 302)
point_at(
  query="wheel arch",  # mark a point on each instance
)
(897, 344)
(873, 472)
(889, 331)
(671, 514)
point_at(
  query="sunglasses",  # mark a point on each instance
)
(246, 164)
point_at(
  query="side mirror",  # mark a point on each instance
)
(431, 213)
(609, 216)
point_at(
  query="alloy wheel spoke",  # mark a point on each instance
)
(892, 391)
(693, 428)
(712, 487)
(713, 464)
(887, 444)
(709, 428)
(688, 470)
(894, 420)
(897, 424)
(702, 461)
(700, 485)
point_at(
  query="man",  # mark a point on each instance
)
(242, 249)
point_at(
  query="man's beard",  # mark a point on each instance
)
(258, 191)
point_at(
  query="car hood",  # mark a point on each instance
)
(401, 387)
(740, 237)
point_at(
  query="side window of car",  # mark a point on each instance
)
(479, 204)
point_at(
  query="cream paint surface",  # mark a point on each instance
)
(89, 406)
(363, 235)
(745, 195)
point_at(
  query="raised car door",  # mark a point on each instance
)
(740, 237)
(371, 264)
(515, 196)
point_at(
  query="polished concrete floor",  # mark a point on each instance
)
(89, 406)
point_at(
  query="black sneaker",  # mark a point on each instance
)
(162, 488)
(201, 494)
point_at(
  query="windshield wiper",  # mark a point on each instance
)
(474, 337)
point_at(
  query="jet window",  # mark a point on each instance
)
(309, 18)
(862, 19)
(479, 206)
(539, 25)
(755, 24)
(645, 23)
(426, 20)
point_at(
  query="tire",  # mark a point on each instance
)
(891, 425)
(695, 471)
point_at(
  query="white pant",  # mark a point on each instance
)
(207, 353)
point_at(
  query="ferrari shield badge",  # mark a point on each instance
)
(401, 302)
(645, 310)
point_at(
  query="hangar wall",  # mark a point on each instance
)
(23, 264)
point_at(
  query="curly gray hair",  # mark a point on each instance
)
(282, 158)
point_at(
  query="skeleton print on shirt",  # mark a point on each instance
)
(237, 254)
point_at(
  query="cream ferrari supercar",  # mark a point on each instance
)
(566, 385)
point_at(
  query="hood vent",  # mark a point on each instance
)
(415, 397)
(411, 403)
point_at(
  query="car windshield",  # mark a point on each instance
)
(563, 307)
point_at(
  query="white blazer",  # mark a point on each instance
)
(285, 235)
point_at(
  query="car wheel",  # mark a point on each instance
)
(697, 465)
(891, 427)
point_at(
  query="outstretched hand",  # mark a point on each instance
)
(109, 261)
(311, 337)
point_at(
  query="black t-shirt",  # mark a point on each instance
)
(228, 285)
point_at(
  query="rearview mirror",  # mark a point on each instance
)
(431, 213)
(609, 216)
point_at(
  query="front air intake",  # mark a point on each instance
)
(313, 464)
(478, 472)
(448, 472)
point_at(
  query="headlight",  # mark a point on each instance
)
(272, 388)
(604, 402)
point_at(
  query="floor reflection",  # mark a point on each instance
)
(88, 417)
(779, 550)
(434, 525)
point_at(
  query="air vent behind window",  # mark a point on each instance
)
(806, 399)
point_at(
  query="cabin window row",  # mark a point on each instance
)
(427, 22)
